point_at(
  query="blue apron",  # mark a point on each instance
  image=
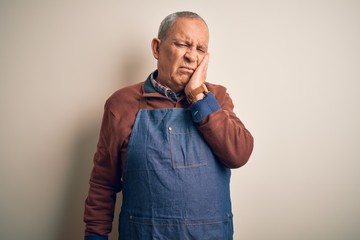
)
(173, 186)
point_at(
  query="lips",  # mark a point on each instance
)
(187, 69)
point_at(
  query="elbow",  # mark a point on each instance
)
(242, 154)
(237, 162)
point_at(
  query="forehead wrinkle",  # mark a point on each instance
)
(194, 35)
(189, 40)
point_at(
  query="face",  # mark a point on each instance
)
(181, 52)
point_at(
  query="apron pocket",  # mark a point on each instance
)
(188, 148)
(180, 229)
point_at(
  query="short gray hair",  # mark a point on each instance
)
(166, 24)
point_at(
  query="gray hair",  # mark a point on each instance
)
(166, 24)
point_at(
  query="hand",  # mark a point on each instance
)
(199, 76)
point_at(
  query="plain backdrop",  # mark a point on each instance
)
(292, 68)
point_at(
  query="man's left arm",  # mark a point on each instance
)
(227, 136)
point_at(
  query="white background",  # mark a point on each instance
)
(291, 67)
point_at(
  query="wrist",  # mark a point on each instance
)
(205, 107)
(197, 94)
(198, 97)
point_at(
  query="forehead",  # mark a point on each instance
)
(193, 29)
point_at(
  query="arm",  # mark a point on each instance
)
(105, 181)
(227, 136)
(230, 141)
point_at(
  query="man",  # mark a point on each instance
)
(168, 144)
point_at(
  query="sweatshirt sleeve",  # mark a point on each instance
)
(105, 181)
(227, 136)
(95, 237)
(204, 107)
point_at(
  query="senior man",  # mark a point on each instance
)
(168, 144)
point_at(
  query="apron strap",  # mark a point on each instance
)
(142, 102)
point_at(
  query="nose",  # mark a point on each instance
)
(191, 55)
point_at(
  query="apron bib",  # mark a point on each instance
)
(173, 186)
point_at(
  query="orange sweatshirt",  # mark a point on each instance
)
(230, 141)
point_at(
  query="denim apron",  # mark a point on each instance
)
(174, 188)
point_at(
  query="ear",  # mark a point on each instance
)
(155, 46)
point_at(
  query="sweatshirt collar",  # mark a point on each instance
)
(151, 86)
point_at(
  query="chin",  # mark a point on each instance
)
(184, 78)
(181, 84)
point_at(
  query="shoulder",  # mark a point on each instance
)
(125, 99)
(215, 87)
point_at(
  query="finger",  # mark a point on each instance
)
(205, 60)
(204, 64)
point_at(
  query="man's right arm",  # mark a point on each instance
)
(105, 181)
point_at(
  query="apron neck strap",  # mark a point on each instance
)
(142, 101)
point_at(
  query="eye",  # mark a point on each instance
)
(202, 50)
(180, 44)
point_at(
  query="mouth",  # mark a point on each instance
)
(187, 69)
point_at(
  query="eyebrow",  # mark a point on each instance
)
(188, 41)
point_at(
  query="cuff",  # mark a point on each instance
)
(95, 237)
(204, 107)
